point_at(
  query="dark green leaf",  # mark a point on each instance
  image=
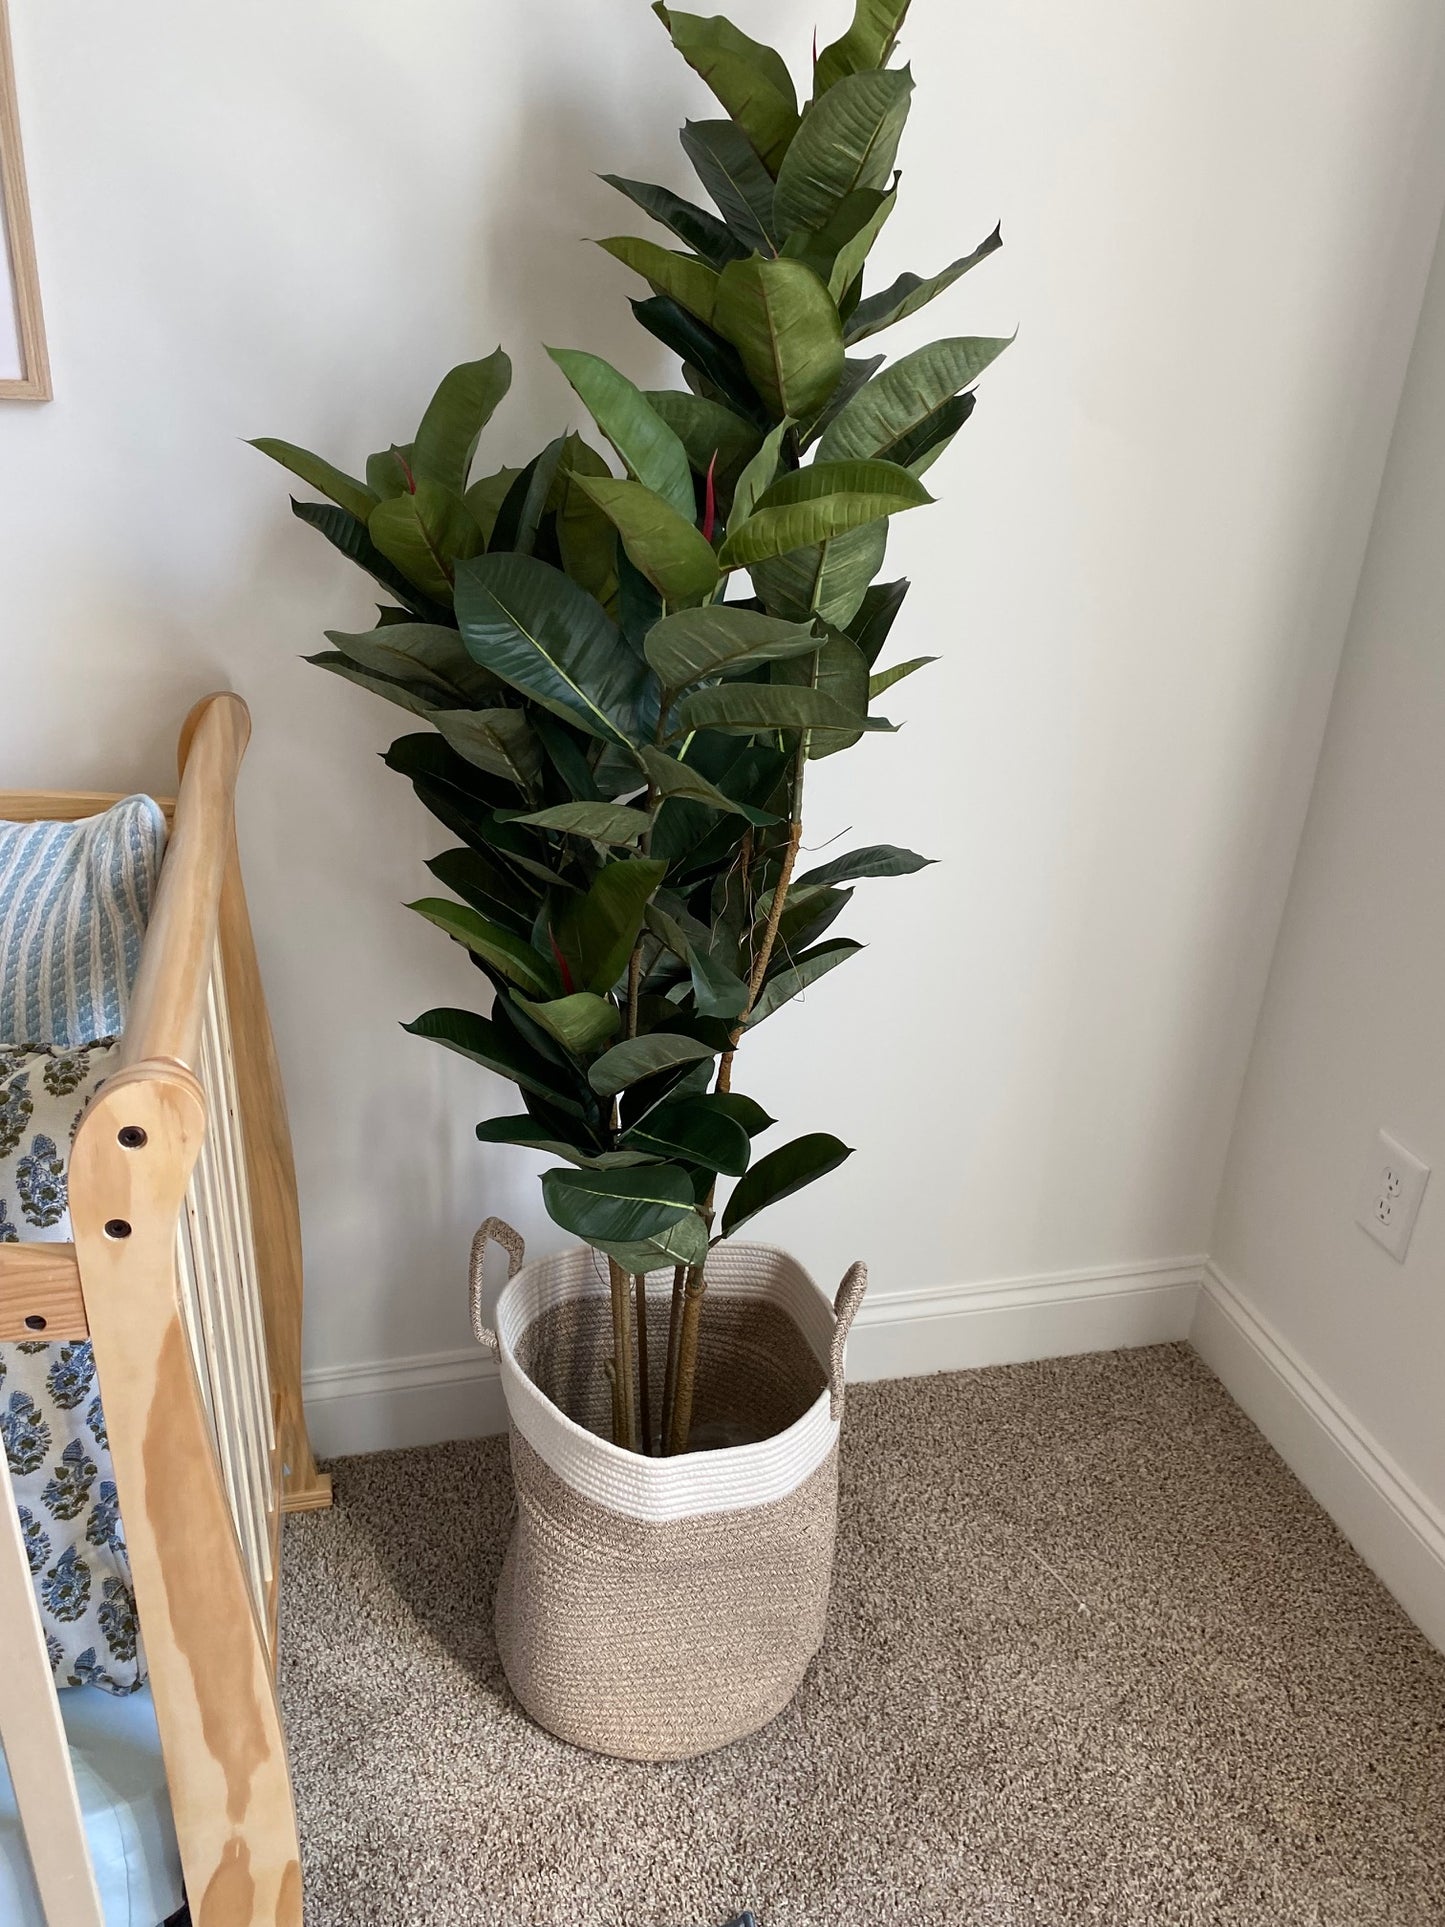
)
(759, 475)
(697, 1131)
(920, 447)
(498, 1050)
(519, 519)
(795, 976)
(705, 349)
(781, 1173)
(694, 643)
(729, 167)
(389, 472)
(415, 697)
(676, 557)
(828, 579)
(877, 860)
(586, 538)
(717, 990)
(867, 43)
(480, 880)
(419, 652)
(814, 504)
(640, 1057)
(610, 1208)
(681, 782)
(875, 616)
(848, 140)
(836, 251)
(425, 534)
(747, 1111)
(886, 678)
(889, 409)
(751, 80)
(528, 624)
(507, 953)
(782, 321)
(839, 672)
(455, 417)
(596, 932)
(699, 230)
(748, 709)
(706, 430)
(603, 822)
(911, 292)
(527, 1132)
(652, 453)
(484, 499)
(355, 497)
(496, 740)
(344, 532)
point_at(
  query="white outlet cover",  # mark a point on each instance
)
(1390, 1195)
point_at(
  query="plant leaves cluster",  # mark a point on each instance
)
(616, 678)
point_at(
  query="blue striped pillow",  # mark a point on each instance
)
(74, 902)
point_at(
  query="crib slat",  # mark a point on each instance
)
(34, 1739)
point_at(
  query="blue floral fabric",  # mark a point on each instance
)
(51, 1421)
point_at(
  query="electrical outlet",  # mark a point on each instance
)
(1390, 1195)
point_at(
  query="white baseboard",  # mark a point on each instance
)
(457, 1395)
(1393, 1526)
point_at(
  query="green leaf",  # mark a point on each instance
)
(603, 822)
(684, 1243)
(484, 499)
(705, 356)
(748, 1112)
(355, 497)
(839, 672)
(652, 453)
(455, 417)
(707, 236)
(848, 140)
(532, 1136)
(425, 534)
(877, 860)
(618, 1207)
(683, 276)
(758, 476)
(867, 43)
(911, 292)
(875, 616)
(920, 447)
(706, 430)
(796, 976)
(674, 555)
(415, 697)
(586, 539)
(519, 519)
(730, 169)
(886, 678)
(827, 579)
(836, 251)
(679, 781)
(389, 472)
(596, 932)
(508, 954)
(782, 321)
(486, 1043)
(488, 886)
(752, 81)
(751, 709)
(424, 653)
(697, 1131)
(781, 1173)
(694, 643)
(528, 624)
(717, 990)
(496, 740)
(344, 532)
(639, 1057)
(814, 504)
(581, 1022)
(886, 411)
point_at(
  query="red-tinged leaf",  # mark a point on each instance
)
(561, 963)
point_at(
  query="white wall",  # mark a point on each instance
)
(1352, 1033)
(290, 219)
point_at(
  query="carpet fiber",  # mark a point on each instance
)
(1093, 1656)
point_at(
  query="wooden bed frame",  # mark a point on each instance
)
(185, 1274)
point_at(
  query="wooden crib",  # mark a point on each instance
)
(185, 1273)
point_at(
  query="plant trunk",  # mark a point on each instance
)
(680, 1418)
(674, 1340)
(644, 1377)
(624, 1423)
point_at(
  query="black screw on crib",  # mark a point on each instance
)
(116, 1228)
(131, 1137)
(35, 1323)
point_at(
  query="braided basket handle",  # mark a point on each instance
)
(845, 1306)
(501, 1233)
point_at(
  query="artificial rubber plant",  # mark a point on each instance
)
(621, 680)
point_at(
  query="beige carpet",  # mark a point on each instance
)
(1094, 1657)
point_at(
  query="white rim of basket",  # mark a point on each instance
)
(729, 1479)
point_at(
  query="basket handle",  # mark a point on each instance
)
(845, 1306)
(511, 1242)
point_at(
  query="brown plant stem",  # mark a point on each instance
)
(625, 1417)
(644, 1379)
(680, 1418)
(674, 1339)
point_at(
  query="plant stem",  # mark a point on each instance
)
(673, 1344)
(680, 1417)
(624, 1431)
(644, 1381)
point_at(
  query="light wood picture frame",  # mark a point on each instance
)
(24, 364)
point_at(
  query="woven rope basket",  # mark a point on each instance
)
(657, 1608)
